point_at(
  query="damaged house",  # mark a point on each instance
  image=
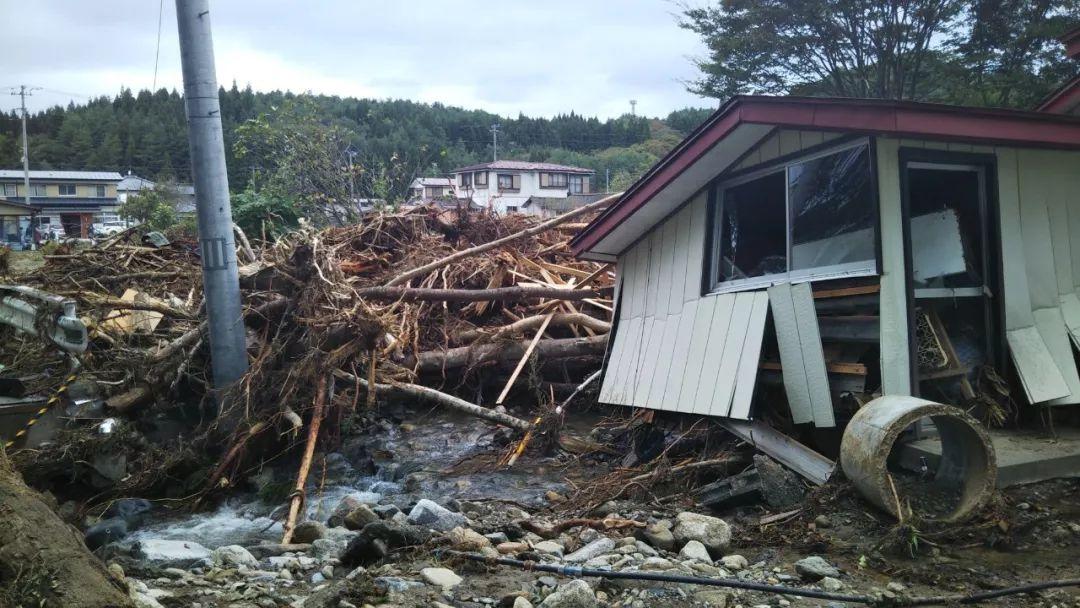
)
(819, 252)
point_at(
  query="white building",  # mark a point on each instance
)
(507, 185)
(426, 189)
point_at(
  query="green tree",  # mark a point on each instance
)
(155, 208)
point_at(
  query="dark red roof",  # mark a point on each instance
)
(863, 116)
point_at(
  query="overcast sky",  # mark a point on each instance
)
(536, 57)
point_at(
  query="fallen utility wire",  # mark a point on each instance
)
(578, 571)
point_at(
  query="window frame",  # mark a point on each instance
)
(465, 180)
(13, 189)
(712, 282)
(565, 177)
(477, 182)
(511, 188)
(100, 191)
(584, 183)
(74, 189)
(38, 190)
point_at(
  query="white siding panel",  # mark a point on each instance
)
(714, 353)
(695, 356)
(665, 354)
(695, 252)
(1017, 299)
(637, 276)
(670, 234)
(720, 405)
(680, 357)
(654, 336)
(747, 374)
(817, 380)
(895, 363)
(1039, 375)
(655, 259)
(796, 385)
(620, 367)
(680, 267)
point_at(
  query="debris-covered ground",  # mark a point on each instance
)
(415, 391)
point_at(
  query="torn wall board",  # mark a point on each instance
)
(792, 454)
(936, 246)
(805, 379)
(1039, 375)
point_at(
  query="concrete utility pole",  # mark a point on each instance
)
(23, 92)
(221, 285)
(495, 142)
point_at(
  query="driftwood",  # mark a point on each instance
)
(43, 562)
(154, 306)
(305, 462)
(506, 294)
(537, 229)
(524, 359)
(557, 320)
(435, 361)
(423, 392)
(140, 393)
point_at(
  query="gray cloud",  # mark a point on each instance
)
(540, 58)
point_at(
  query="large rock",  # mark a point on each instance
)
(378, 538)
(467, 539)
(131, 510)
(815, 568)
(712, 532)
(105, 532)
(575, 594)
(307, 532)
(360, 517)
(591, 550)
(430, 514)
(659, 536)
(170, 553)
(347, 504)
(232, 556)
(441, 577)
(696, 551)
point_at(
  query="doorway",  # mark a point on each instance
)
(953, 282)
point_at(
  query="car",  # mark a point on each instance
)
(108, 228)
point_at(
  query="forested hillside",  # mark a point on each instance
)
(145, 133)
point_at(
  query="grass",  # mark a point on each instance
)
(25, 261)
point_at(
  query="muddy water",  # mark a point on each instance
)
(437, 456)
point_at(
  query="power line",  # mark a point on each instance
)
(157, 51)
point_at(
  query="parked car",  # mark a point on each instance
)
(107, 228)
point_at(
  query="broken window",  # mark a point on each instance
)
(752, 231)
(832, 210)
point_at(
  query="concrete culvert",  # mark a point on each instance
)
(965, 474)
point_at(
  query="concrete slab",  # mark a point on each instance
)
(1022, 456)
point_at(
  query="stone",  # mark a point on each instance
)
(713, 598)
(232, 556)
(386, 511)
(308, 532)
(387, 584)
(591, 550)
(441, 577)
(324, 548)
(659, 536)
(896, 587)
(142, 600)
(822, 521)
(815, 568)
(327, 571)
(549, 547)
(831, 584)
(105, 532)
(695, 550)
(656, 563)
(166, 553)
(346, 505)
(734, 562)
(511, 548)
(780, 487)
(575, 594)
(497, 537)
(376, 540)
(712, 532)
(360, 517)
(430, 514)
(520, 602)
(116, 570)
(645, 548)
(467, 539)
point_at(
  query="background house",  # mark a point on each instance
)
(72, 199)
(505, 186)
(427, 189)
(14, 223)
(132, 185)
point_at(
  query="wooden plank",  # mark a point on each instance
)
(851, 369)
(663, 365)
(524, 358)
(681, 260)
(695, 355)
(817, 380)
(844, 292)
(720, 404)
(746, 379)
(680, 354)
(791, 356)
(895, 356)
(695, 252)
(714, 353)
(1039, 375)
(649, 356)
(796, 456)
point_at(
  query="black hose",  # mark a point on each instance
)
(577, 571)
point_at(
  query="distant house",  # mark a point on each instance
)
(505, 186)
(547, 207)
(14, 223)
(426, 189)
(132, 185)
(72, 199)
(1066, 99)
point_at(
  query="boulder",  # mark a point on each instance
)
(596, 548)
(549, 547)
(659, 536)
(130, 510)
(696, 551)
(346, 505)
(170, 553)
(309, 531)
(360, 517)
(378, 538)
(430, 514)
(441, 577)
(734, 562)
(105, 532)
(232, 556)
(712, 532)
(815, 568)
(467, 539)
(832, 585)
(575, 594)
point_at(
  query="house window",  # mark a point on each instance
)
(465, 180)
(480, 179)
(553, 180)
(812, 218)
(99, 191)
(511, 209)
(579, 184)
(509, 182)
(37, 189)
(10, 190)
(67, 189)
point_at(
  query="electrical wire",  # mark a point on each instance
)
(577, 571)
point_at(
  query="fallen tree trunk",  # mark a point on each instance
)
(506, 294)
(558, 320)
(43, 561)
(537, 229)
(296, 502)
(464, 356)
(423, 392)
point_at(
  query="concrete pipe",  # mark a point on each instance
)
(965, 474)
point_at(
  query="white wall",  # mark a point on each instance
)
(530, 186)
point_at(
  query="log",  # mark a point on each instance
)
(297, 500)
(140, 393)
(432, 362)
(506, 294)
(558, 320)
(422, 392)
(521, 234)
(43, 561)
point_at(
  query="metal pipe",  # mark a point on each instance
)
(221, 285)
